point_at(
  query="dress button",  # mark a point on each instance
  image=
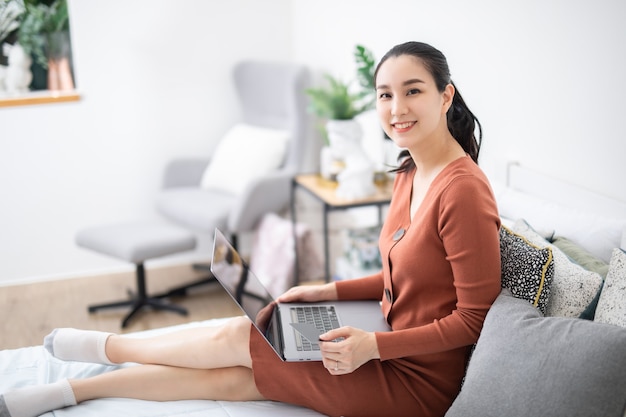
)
(399, 233)
(388, 294)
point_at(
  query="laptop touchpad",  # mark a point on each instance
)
(308, 330)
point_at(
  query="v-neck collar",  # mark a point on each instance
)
(431, 186)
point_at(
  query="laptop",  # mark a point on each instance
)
(291, 329)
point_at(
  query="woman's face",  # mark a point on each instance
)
(410, 107)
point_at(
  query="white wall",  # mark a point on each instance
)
(545, 77)
(155, 79)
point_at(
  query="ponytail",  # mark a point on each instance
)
(462, 124)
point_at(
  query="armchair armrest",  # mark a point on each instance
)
(269, 193)
(184, 172)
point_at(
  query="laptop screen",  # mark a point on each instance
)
(243, 286)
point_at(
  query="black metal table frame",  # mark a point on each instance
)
(327, 208)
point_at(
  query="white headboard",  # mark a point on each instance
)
(594, 221)
(543, 186)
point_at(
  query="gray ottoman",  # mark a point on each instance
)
(137, 243)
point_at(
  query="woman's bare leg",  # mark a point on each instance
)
(165, 383)
(146, 382)
(200, 363)
(201, 348)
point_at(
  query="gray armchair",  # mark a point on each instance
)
(271, 96)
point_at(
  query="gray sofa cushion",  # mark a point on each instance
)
(525, 364)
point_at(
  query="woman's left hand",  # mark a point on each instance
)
(346, 349)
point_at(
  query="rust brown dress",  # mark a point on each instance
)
(440, 275)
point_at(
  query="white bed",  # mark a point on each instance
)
(551, 206)
(34, 365)
(594, 221)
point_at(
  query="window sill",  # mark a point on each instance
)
(39, 97)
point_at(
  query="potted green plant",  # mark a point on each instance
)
(44, 34)
(366, 65)
(10, 12)
(337, 105)
(42, 21)
(336, 101)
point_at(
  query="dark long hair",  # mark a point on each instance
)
(461, 121)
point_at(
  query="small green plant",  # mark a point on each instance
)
(336, 101)
(10, 12)
(366, 65)
(38, 22)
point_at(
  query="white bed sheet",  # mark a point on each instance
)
(34, 365)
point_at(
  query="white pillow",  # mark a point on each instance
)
(611, 307)
(244, 153)
(573, 287)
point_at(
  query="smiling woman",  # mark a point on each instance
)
(434, 301)
(422, 74)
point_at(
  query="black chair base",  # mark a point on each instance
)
(140, 300)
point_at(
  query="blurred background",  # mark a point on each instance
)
(545, 78)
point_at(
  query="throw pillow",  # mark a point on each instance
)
(573, 287)
(612, 303)
(527, 270)
(587, 260)
(528, 365)
(581, 255)
(242, 155)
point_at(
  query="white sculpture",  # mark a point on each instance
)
(3, 72)
(356, 179)
(18, 75)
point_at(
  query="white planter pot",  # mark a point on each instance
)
(346, 161)
(18, 75)
(343, 135)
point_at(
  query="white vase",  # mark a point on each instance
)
(18, 75)
(356, 170)
(3, 72)
(331, 163)
(343, 135)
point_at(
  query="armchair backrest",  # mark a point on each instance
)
(272, 95)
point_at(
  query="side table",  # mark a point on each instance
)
(324, 191)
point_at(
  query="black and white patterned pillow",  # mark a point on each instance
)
(527, 270)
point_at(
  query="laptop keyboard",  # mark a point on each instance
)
(323, 317)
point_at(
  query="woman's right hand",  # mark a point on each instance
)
(309, 293)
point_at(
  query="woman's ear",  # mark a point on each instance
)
(448, 96)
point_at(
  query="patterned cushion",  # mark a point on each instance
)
(526, 269)
(612, 303)
(528, 365)
(573, 287)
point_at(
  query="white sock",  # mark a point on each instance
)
(36, 400)
(78, 345)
